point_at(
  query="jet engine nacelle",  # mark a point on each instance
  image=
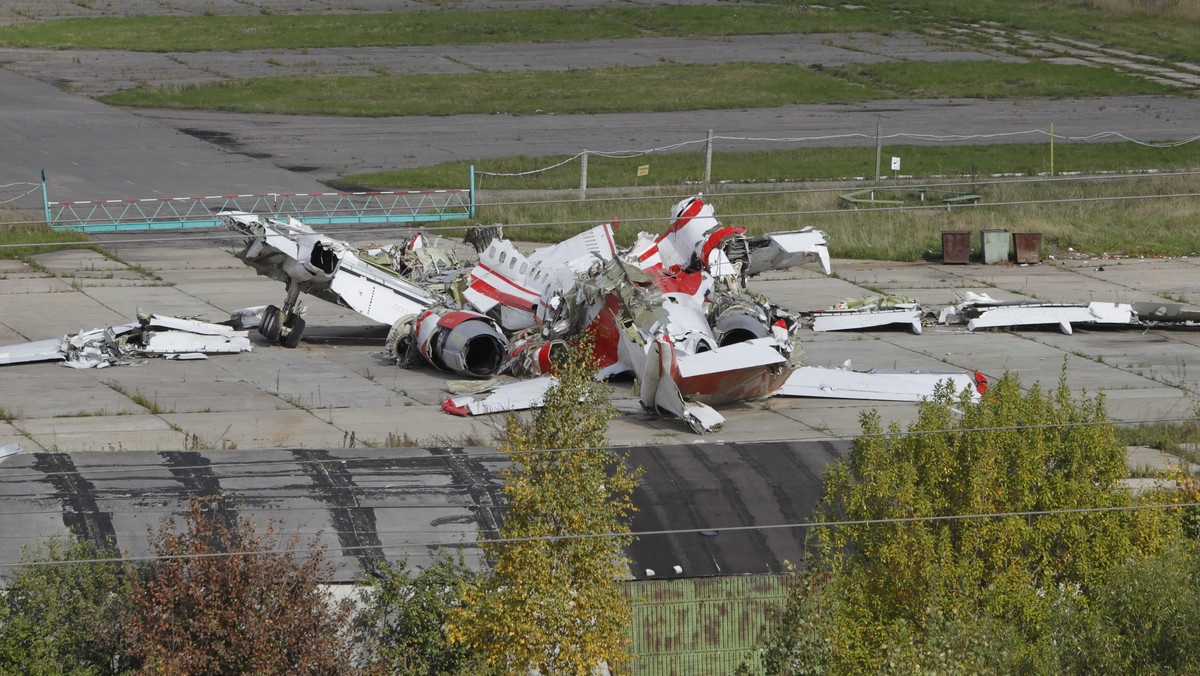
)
(466, 343)
(738, 327)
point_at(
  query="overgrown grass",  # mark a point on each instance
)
(1158, 33)
(16, 240)
(1176, 438)
(624, 89)
(803, 164)
(1094, 223)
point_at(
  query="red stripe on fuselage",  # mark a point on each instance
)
(688, 214)
(501, 297)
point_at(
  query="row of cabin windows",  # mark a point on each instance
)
(512, 264)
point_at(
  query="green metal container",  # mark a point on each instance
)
(995, 245)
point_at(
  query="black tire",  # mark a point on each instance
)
(269, 327)
(295, 329)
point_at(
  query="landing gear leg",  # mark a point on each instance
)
(293, 324)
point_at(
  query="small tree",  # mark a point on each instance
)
(63, 618)
(555, 605)
(223, 600)
(901, 584)
(1013, 451)
(404, 618)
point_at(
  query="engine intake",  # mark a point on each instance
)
(466, 343)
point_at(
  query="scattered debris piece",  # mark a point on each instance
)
(878, 384)
(868, 313)
(150, 336)
(980, 311)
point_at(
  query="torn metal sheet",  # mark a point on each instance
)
(778, 251)
(184, 342)
(867, 318)
(980, 311)
(39, 350)
(159, 322)
(843, 383)
(869, 313)
(516, 396)
(1174, 313)
(660, 391)
(150, 336)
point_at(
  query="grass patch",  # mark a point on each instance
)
(996, 80)
(139, 398)
(1126, 227)
(447, 27)
(624, 89)
(608, 90)
(802, 164)
(1176, 438)
(1165, 34)
(18, 240)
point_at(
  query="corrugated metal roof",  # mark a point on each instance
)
(700, 625)
(715, 486)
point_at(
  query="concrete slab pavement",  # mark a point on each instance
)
(337, 388)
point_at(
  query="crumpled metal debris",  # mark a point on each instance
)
(152, 335)
(870, 312)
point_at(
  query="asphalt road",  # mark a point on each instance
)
(94, 152)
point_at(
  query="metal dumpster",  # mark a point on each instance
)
(956, 246)
(1028, 246)
(994, 244)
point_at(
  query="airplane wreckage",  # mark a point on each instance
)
(673, 310)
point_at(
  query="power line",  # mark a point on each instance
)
(940, 138)
(623, 536)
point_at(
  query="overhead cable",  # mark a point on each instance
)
(622, 536)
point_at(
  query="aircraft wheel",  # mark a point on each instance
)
(294, 329)
(269, 327)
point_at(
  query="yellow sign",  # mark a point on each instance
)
(643, 170)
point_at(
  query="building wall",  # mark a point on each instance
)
(700, 625)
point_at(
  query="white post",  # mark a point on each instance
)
(583, 176)
(708, 161)
(878, 150)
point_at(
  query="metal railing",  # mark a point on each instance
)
(401, 206)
